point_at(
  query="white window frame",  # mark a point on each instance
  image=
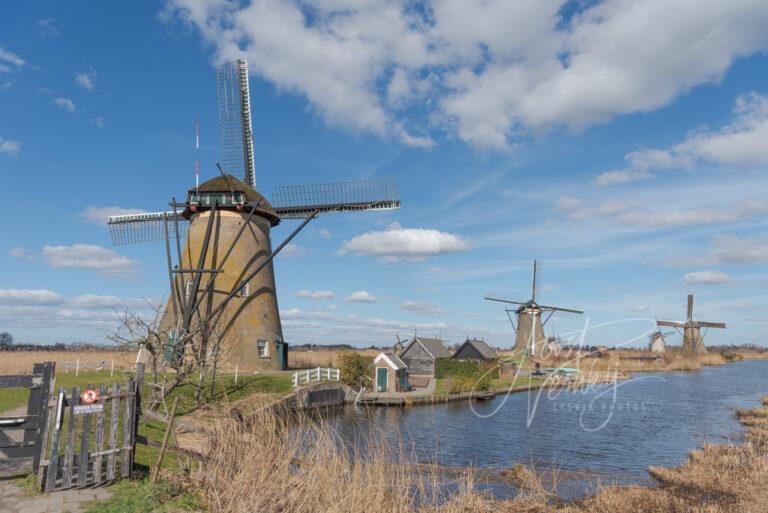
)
(265, 345)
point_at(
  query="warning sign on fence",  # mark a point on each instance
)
(82, 409)
(89, 396)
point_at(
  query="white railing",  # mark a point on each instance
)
(303, 377)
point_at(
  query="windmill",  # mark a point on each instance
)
(529, 332)
(223, 277)
(657, 343)
(693, 341)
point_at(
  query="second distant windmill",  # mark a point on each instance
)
(529, 331)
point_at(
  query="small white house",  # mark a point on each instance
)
(390, 374)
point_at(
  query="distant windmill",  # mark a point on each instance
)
(529, 331)
(223, 279)
(656, 342)
(693, 341)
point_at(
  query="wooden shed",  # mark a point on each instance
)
(474, 349)
(390, 374)
(420, 355)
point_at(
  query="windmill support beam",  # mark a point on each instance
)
(200, 265)
(170, 269)
(220, 307)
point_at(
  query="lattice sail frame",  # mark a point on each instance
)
(138, 228)
(235, 128)
(298, 201)
(289, 202)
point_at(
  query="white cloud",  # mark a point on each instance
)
(294, 250)
(296, 314)
(65, 104)
(85, 80)
(113, 302)
(98, 121)
(21, 254)
(422, 307)
(633, 214)
(85, 256)
(46, 27)
(48, 309)
(29, 297)
(620, 176)
(398, 325)
(317, 295)
(397, 243)
(323, 233)
(664, 218)
(729, 249)
(8, 59)
(740, 143)
(10, 146)
(706, 277)
(361, 296)
(489, 71)
(99, 215)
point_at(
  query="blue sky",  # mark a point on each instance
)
(620, 143)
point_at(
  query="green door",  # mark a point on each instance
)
(282, 354)
(381, 379)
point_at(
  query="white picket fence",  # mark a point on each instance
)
(303, 377)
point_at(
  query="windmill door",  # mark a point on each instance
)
(381, 379)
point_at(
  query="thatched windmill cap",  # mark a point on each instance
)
(228, 183)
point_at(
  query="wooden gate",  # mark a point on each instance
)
(22, 436)
(90, 443)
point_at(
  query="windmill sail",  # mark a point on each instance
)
(235, 129)
(298, 201)
(137, 228)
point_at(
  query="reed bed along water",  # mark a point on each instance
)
(269, 465)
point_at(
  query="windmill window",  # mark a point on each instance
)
(263, 348)
(189, 287)
(245, 290)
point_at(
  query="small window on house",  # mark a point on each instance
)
(245, 290)
(189, 287)
(263, 348)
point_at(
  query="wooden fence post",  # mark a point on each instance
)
(137, 411)
(69, 453)
(53, 459)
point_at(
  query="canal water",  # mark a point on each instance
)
(603, 433)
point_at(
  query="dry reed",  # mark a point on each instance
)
(267, 465)
(21, 362)
(321, 358)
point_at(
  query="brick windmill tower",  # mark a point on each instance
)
(693, 341)
(529, 332)
(223, 277)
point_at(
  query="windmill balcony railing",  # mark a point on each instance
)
(304, 377)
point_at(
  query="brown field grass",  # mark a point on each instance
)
(266, 465)
(321, 358)
(21, 362)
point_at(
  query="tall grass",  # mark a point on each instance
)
(21, 362)
(269, 465)
(320, 358)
